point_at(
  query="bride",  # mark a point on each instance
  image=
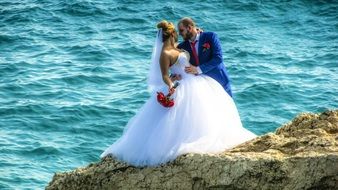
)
(204, 118)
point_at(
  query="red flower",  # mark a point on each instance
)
(206, 46)
(165, 101)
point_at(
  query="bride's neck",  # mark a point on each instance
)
(168, 44)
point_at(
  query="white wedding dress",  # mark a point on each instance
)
(204, 119)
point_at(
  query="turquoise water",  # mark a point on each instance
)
(74, 72)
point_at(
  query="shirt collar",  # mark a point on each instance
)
(197, 37)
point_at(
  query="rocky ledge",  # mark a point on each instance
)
(302, 154)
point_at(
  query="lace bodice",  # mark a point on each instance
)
(181, 63)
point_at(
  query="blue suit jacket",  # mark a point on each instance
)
(211, 60)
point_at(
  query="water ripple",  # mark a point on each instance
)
(72, 73)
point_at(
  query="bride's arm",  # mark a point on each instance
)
(164, 63)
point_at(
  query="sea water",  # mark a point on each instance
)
(73, 72)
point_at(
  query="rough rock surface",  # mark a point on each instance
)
(302, 154)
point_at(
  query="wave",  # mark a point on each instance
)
(82, 8)
(43, 150)
(75, 71)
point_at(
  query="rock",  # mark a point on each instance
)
(302, 154)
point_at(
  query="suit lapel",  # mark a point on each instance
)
(200, 52)
(187, 44)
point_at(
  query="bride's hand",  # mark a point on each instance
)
(199, 30)
(171, 89)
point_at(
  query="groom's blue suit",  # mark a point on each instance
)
(210, 59)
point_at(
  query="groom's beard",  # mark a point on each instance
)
(188, 36)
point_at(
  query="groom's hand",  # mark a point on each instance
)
(191, 69)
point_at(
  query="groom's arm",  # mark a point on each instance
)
(216, 55)
(179, 46)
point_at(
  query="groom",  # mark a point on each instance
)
(205, 53)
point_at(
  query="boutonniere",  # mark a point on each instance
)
(206, 46)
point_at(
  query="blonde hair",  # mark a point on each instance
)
(167, 29)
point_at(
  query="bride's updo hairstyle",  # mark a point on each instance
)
(167, 29)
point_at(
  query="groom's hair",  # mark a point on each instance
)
(186, 21)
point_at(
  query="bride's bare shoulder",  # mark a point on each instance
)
(165, 54)
(169, 53)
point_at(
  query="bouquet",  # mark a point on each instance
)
(165, 100)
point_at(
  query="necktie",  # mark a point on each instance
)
(194, 53)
